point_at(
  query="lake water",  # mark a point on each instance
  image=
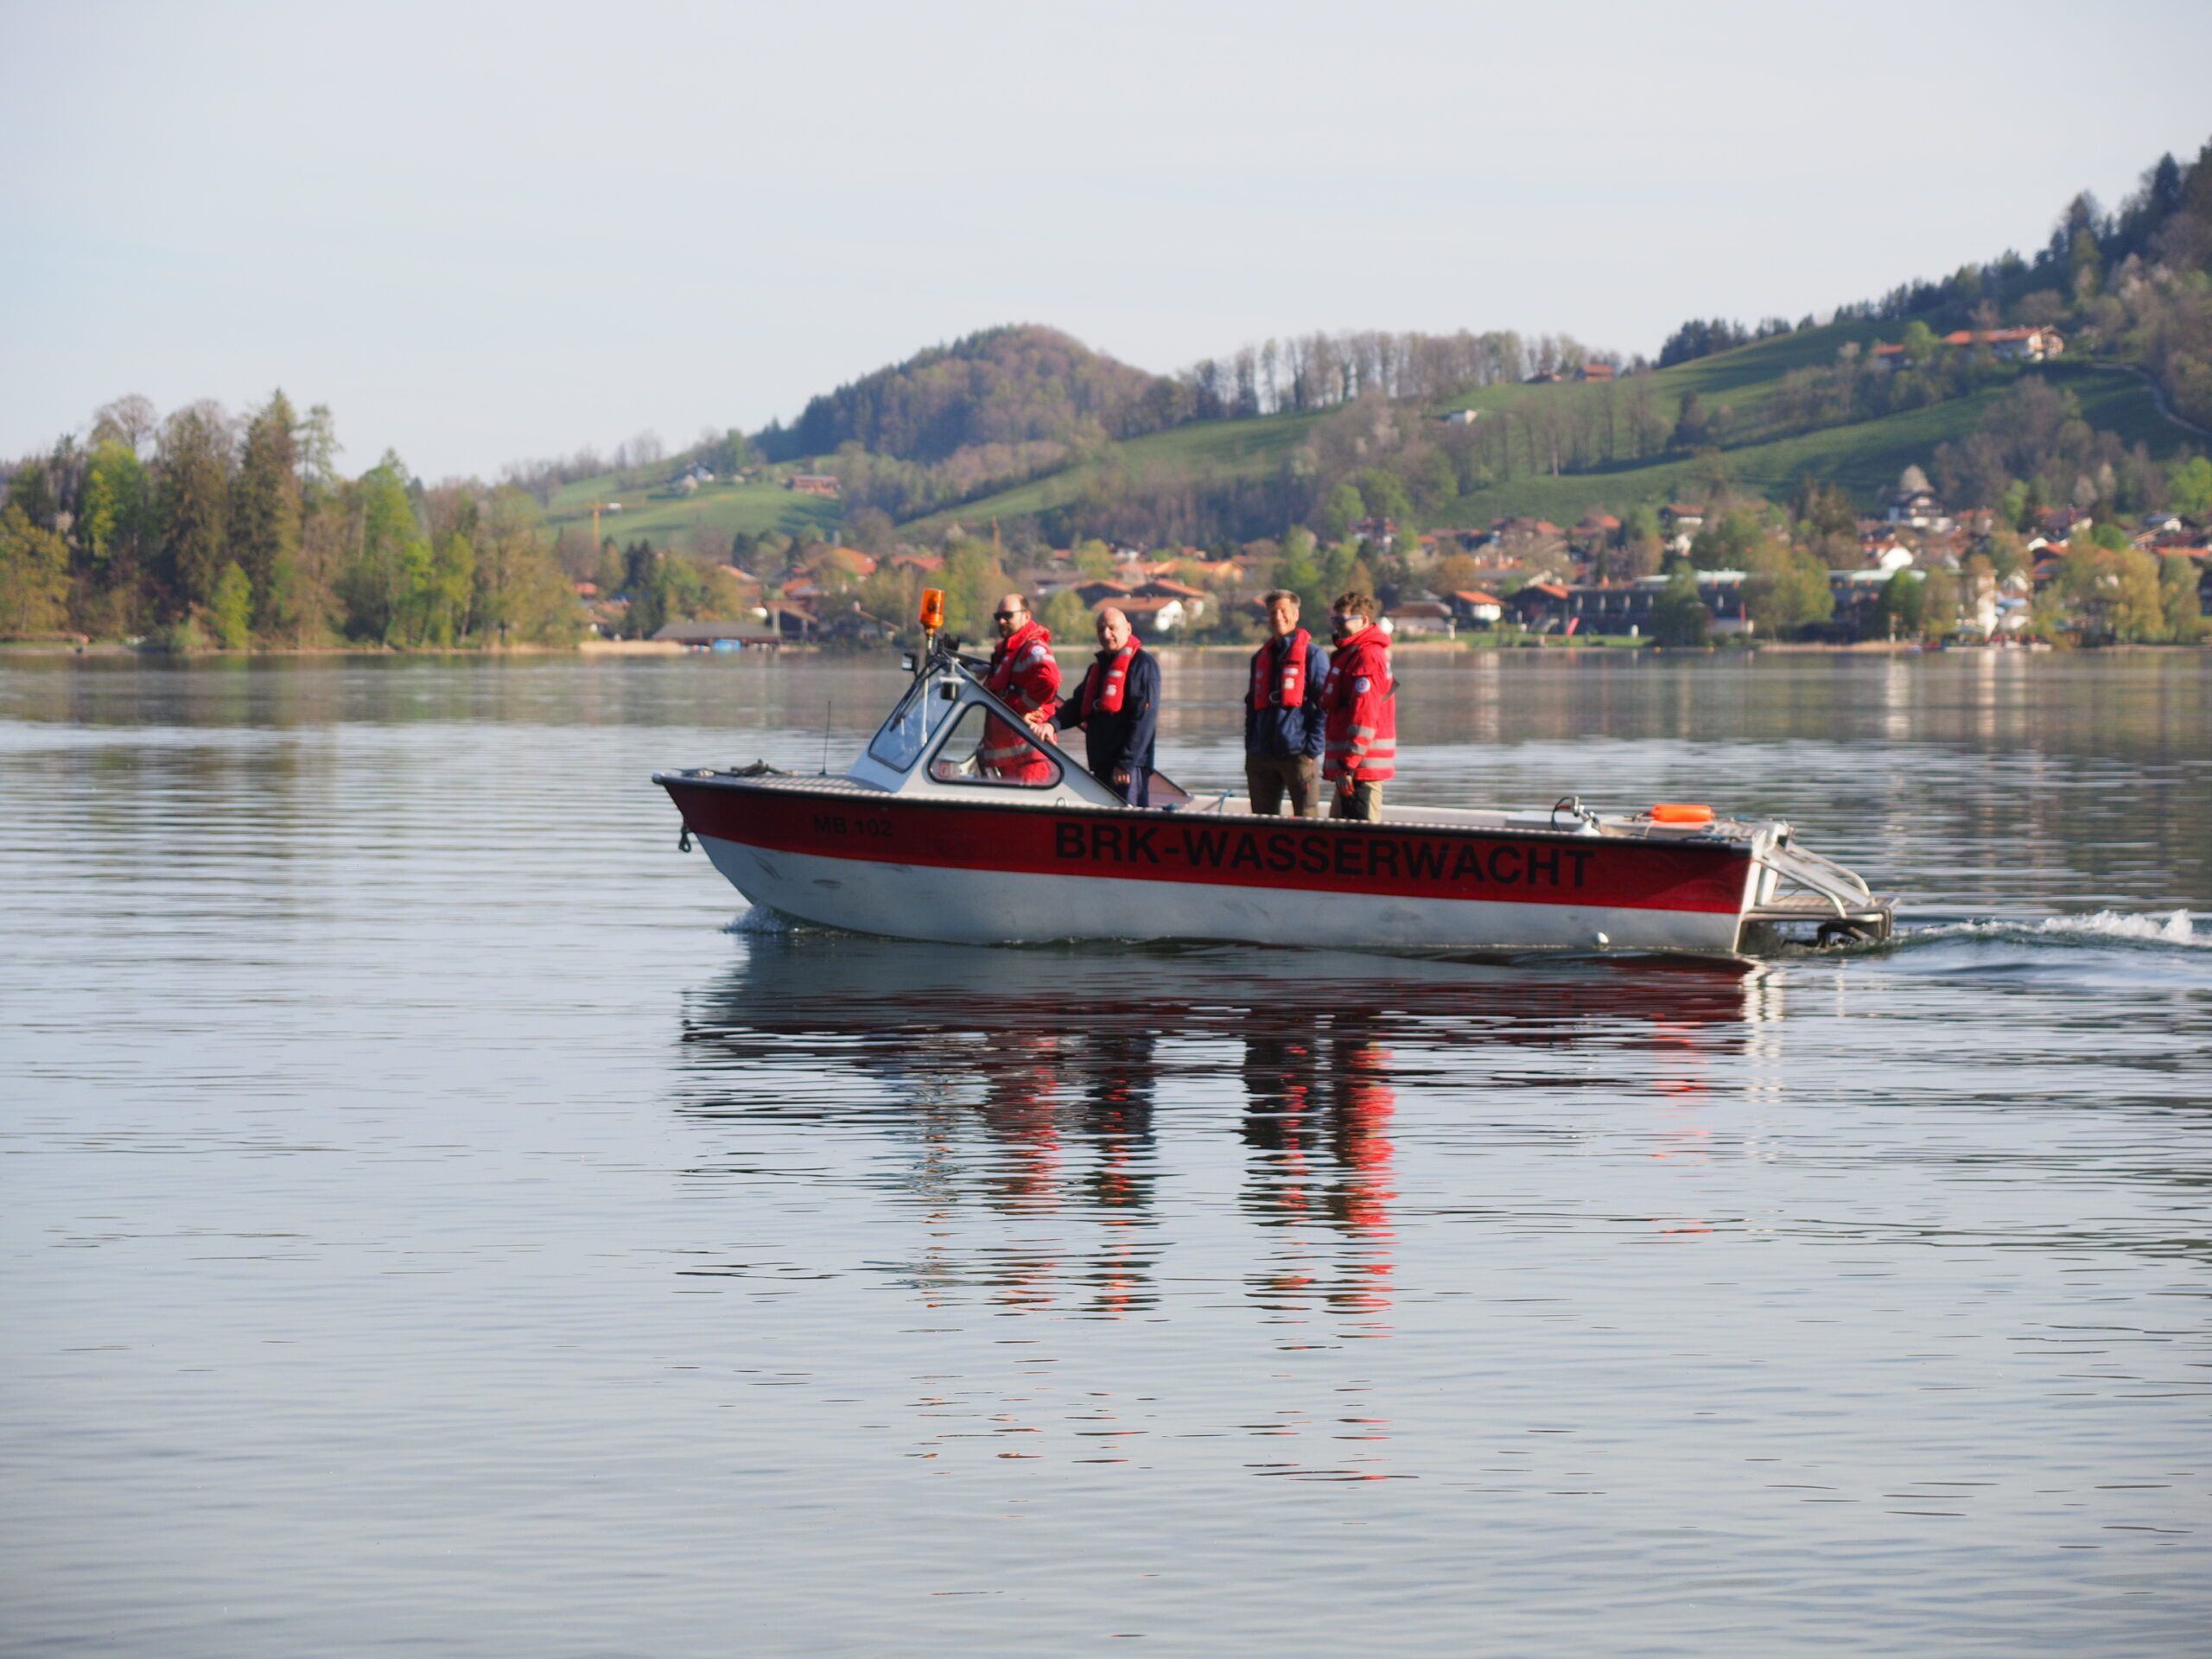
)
(434, 1218)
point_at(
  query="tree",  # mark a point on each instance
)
(1939, 604)
(1678, 615)
(1727, 540)
(1919, 342)
(1787, 590)
(1066, 617)
(1692, 429)
(33, 576)
(1383, 494)
(230, 610)
(264, 515)
(391, 558)
(2189, 488)
(1340, 511)
(1899, 608)
(2184, 609)
(1297, 568)
(196, 471)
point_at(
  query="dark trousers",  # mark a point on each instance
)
(1299, 775)
(1365, 802)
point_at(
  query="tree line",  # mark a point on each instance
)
(203, 528)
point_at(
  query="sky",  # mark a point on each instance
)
(486, 233)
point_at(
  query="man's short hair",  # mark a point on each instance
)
(1357, 604)
(1275, 594)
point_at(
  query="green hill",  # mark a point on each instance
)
(667, 516)
(1746, 389)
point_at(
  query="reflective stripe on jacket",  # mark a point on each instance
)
(1362, 729)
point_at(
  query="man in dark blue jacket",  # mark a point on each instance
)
(1283, 717)
(1118, 708)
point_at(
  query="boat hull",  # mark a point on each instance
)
(974, 873)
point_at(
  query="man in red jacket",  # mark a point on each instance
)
(1024, 675)
(1361, 727)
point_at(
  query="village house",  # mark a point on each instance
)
(1194, 598)
(1151, 616)
(1475, 608)
(812, 484)
(1413, 618)
(1919, 508)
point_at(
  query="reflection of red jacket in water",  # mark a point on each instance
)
(1024, 676)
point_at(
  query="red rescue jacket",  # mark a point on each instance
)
(1287, 690)
(1103, 685)
(1024, 676)
(1362, 725)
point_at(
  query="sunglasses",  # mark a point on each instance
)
(1007, 616)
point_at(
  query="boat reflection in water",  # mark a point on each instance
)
(1061, 1089)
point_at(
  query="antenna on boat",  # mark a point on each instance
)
(829, 715)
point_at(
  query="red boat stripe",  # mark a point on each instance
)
(1299, 855)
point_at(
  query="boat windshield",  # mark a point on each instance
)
(899, 743)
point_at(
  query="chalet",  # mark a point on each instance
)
(1101, 589)
(1597, 371)
(921, 563)
(1680, 516)
(812, 484)
(1919, 508)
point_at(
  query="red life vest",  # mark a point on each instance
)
(1287, 689)
(1024, 676)
(1362, 727)
(1104, 686)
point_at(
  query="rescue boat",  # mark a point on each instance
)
(920, 839)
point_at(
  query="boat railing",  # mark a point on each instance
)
(1816, 874)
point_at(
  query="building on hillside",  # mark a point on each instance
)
(1461, 416)
(812, 484)
(1098, 590)
(1597, 371)
(1151, 616)
(1194, 598)
(1919, 508)
(921, 563)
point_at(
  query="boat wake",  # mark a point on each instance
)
(2103, 927)
(760, 921)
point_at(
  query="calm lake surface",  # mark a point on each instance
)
(434, 1216)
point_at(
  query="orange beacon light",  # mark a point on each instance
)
(932, 608)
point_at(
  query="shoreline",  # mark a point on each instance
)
(1424, 647)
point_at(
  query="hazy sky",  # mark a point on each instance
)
(487, 232)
